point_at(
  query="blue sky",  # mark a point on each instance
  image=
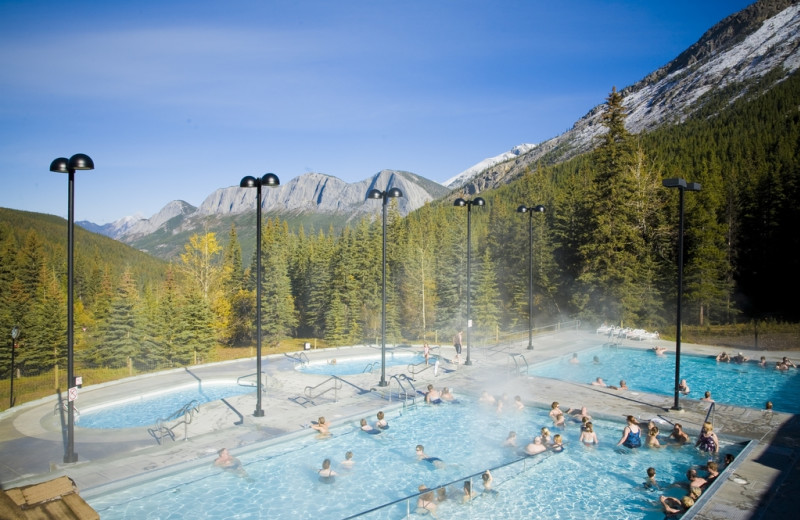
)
(174, 99)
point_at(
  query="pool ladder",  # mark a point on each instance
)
(520, 364)
(403, 380)
(183, 416)
(332, 383)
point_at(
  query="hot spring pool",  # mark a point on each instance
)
(747, 384)
(282, 480)
(146, 409)
(344, 366)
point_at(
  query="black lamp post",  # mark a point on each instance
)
(270, 180)
(14, 336)
(530, 211)
(78, 161)
(385, 195)
(682, 186)
(477, 201)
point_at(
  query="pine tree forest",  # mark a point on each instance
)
(603, 251)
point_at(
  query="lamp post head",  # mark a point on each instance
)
(60, 165)
(375, 194)
(248, 182)
(271, 180)
(674, 183)
(478, 201)
(394, 192)
(526, 209)
(693, 186)
(459, 202)
(14, 332)
(81, 161)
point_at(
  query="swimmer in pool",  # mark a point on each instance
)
(511, 440)
(426, 501)
(673, 506)
(707, 397)
(631, 434)
(230, 463)
(468, 493)
(652, 438)
(535, 447)
(558, 443)
(365, 427)
(326, 474)
(650, 482)
(678, 435)
(518, 403)
(659, 351)
(723, 357)
(421, 455)
(433, 396)
(599, 382)
(588, 436)
(545, 435)
(555, 410)
(559, 421)
(486, 477)
(684, 387)
(707, 440)
(322, 427)
(382, 424)
(579, 414)
(574, 359)
(446, 394)
(486, 398)
(348, 461)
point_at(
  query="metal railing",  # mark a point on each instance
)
(246, 380)
(402, 380)
(298, 357)
(520, 363)
(521, 465)
(371, 367)
(183, 416)
(333, 383)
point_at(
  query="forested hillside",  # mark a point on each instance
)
(604, 250)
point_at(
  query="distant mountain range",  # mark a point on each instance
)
(762, 39)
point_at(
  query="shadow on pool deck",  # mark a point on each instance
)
(765, 484)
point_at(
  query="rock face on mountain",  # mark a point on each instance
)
(762, 38)
(307, 193)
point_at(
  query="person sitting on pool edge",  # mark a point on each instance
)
(326, 474)
(421, 455)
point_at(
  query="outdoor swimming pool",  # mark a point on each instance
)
(356, 365)
(744, 385)
(146, 409)
(581, 482)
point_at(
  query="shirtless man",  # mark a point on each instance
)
(433, 396)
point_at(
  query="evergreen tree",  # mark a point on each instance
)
(486, 309)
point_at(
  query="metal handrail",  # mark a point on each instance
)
(514, 356)
(337, 385)
(400, 378)
(300, 357)
(425, 366)
(243, 381)
(161, 429)
(370, 367)
(527, 463)
(710, 411)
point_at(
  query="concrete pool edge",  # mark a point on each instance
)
(778, 434)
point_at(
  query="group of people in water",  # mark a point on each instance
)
(782, 364)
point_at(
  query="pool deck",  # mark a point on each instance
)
(764, 484)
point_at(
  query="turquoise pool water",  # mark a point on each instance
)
(744, 385)
(282, 480)
(356, 365)
(146, 409)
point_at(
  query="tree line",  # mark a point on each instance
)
(603, 251)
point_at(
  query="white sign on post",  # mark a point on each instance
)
(73, 393)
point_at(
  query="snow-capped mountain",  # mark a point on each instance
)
(760, 39)
(464, 177)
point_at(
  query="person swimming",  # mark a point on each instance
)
(326, 474)
(588, 436)
(434, 461)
